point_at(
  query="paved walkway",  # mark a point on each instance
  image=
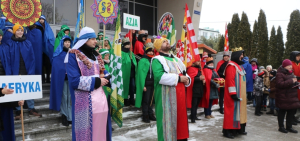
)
(263, 128)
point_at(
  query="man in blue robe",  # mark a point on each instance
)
(60, 97)
(22, 61)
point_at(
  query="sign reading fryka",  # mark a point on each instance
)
(25, 87)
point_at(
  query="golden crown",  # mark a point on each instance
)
(125, 40)
(237, 49)
(149, 45)
(209, 59)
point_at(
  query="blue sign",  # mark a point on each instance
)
(196, 12)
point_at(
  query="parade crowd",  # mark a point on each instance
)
(152, 78)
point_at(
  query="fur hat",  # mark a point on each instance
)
(158, 42)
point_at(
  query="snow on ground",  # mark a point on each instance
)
(150, 133)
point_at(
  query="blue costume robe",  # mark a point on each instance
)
(48, 39)
(58, 77)
(6, 34)
(35, 36)
(74, 79)
(249, 74)
(7, 113)
(25, 48)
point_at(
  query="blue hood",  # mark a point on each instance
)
(246, 59)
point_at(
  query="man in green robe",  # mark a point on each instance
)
(64, 30)
(170, 80)
(105, 56)
(145, 85)
(129, 67)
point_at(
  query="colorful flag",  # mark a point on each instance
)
(80, 19)
(116, 99)
(172, 33)
(226, 44)
(189, 39)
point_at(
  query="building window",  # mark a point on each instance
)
(66, 12)
(47, 10)
(205, 34)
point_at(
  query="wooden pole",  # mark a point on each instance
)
(22, 122)
(103, 35)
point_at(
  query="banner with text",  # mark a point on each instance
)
(131, 21)
(25, 87)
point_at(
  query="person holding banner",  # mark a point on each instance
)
(170, 80)
(7, 128)
(22, 61)
(129, 68)
(6, 109)
(60, 97)
(89, 103)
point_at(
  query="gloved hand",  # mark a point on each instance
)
(235, 98)
(263, 89)
(256, 71)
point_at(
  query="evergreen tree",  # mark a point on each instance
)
(280, 48)
(293, 34)
(232, 30)
(254, 41)
(273, 48)
(262, 39)
(221, 44)
(243, 36)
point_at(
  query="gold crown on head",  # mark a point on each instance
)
(237, 49)
(125, 40)
(149, 45)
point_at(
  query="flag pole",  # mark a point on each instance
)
(22, 122)
(130, 38)
(103, 36)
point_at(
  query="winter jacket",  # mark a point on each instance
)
(273, 87)
(258, 86)
(249, 74)
(286, 96)
(266, 82)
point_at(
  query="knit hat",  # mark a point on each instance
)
(149, 47)
(16, 27)
(1, 32)
(286, 62)
(158, 42)
(269, 66)
(205, 55)
(125, 41)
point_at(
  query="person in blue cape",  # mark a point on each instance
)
(60, 97)
(6, 27)
(7, 129)
(35, 35)
(89, 103)
(48, 36)
(22, 61)
(249, 80)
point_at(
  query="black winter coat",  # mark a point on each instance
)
(286, 96)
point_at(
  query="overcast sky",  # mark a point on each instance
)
(215, 13)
